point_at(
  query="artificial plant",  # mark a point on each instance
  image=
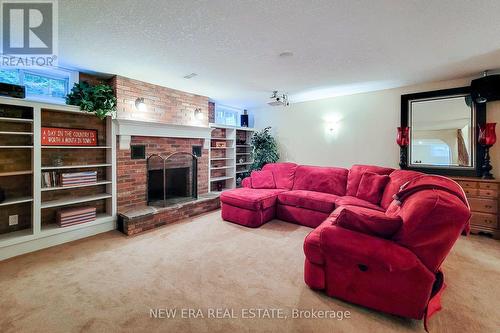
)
(99, 99)
(265, 149)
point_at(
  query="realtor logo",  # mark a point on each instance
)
(29, 32)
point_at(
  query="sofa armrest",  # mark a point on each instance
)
(246, 182)
(366, 250)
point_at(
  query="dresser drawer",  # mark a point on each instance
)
(487, 193)
(488, 186)
(483, 205)
(485, 220)
(471, 192)
(468, 184)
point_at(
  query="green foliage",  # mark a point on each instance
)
(265, 149)
(98, 99)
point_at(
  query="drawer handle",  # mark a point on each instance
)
(488, 206)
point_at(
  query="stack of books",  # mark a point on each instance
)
(78, 178)
(76, 215)
(50, 179)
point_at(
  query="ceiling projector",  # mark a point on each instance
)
(278, 99)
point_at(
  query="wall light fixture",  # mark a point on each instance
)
(139, 104)
(198, 114)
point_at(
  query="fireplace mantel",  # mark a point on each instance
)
(126, 128)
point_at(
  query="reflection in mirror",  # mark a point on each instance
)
(441, 132)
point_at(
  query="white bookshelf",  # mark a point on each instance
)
(79, 166)
(223, 166)
(40, 236)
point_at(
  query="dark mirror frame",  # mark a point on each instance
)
(480, 110)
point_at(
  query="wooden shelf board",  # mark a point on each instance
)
(76, 147)
(223, 167)
(74, 200)
(15, 201)
(45, 189)
(16, 120)
(222, 139)
(244, 163)
(216, 179)
(15, 133)
(242, 171)
(86, 166)
(221, 147)
(17, 147)
(15, 173)
(53, 228)
(243, 146)
(221, 158)
(243, 153)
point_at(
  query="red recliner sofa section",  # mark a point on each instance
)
(380, 235)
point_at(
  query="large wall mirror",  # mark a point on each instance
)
(443, 132)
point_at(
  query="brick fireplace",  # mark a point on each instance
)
(132, 199)
(168, 125)
(132, 173)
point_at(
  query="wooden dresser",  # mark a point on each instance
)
(483, 196)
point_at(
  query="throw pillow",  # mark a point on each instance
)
(262, 179)
(371, 187)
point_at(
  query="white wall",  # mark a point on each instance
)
(365, 127)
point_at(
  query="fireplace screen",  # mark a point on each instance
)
(172, 179)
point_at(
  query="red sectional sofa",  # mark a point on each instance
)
(380, 235)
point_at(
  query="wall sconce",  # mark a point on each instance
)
(198, 114)
(332, 126)
(140, 105)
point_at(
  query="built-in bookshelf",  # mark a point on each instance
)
(244, 157)
(228, 145)
(32, 174)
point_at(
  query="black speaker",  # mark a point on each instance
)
(486, 89)
(12, 90)
(244, 119)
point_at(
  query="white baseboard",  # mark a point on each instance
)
(56, 239)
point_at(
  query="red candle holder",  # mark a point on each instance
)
(403, 140)
(487, 138)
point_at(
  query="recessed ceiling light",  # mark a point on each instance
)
(286, 54)
(190, 76)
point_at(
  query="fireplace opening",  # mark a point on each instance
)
(172, 179)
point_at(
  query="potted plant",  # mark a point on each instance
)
(99, 99)
(265, 149)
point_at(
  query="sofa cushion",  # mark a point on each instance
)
(250, 198)
(322, 202)
(284, 174)
(367, 221)
(353, 201)
(262, 179)
(397, 178)
(371, 187)
(321, 179)
(357, 171)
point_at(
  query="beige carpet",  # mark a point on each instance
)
(109, 283)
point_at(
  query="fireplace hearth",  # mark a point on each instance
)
(171, 179)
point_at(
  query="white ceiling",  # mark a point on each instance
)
(339, 47)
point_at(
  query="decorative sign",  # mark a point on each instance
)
(55, 136)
